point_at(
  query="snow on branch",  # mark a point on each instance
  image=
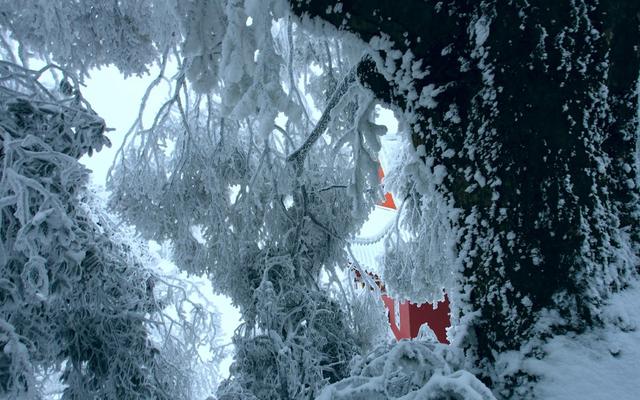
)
(298, 156)
(408, 370)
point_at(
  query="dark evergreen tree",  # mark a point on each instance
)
(532, 109)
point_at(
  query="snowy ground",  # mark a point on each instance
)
(600, 364)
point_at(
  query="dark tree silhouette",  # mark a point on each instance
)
(538, 102)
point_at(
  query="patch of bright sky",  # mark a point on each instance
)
(117, 100)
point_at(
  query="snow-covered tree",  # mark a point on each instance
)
(262, 204)
(523, 184)
(254, 203)
(78, 305)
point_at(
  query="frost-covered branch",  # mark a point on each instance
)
(79, 304)
(299, 155)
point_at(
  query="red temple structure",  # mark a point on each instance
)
(405, 322)
(413, 316)
(388, 198)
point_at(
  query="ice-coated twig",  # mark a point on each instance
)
(298, 156)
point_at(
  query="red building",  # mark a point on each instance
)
(406, 318)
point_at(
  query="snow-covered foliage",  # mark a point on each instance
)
(77, 301)
(408, 370)
(81, 35)
(369, 319)
(421, 255)
(236, 171)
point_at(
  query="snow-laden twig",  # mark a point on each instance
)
(298, 156)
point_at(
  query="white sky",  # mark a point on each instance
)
(117, 100)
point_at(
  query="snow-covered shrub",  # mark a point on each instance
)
(408, 370)
(369, 319)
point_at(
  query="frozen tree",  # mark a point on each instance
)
(77, 302)
(262, 204)
(523, 184)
